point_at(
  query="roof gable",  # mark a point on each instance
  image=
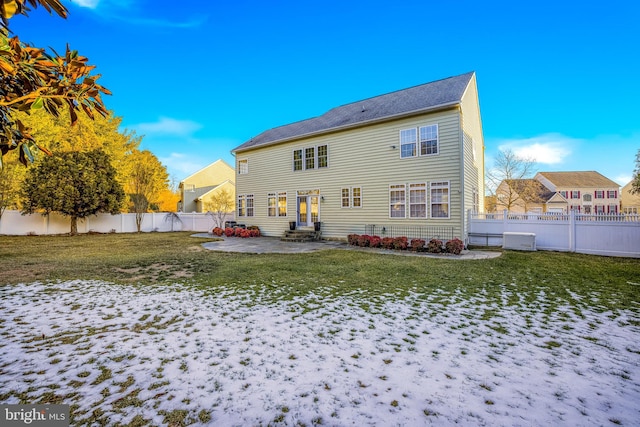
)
(579, 179)
(215, 166)
(429, 96)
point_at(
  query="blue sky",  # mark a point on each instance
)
(557, 80)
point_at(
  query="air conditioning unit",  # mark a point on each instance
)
(519, 241)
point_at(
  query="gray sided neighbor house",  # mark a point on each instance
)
(407, 162)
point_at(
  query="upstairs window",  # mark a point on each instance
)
(408, 140)
(243, 167)
(323, 156)
(297, 160)
(599, 194)
(575, 194)
(564, 194)
(190, 188)
(586, 197)
(612, 194)
(309, 158)
(428, 140)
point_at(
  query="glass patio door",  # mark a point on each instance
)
(308, 208)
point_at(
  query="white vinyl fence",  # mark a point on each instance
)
(14, 223)
(612, 235)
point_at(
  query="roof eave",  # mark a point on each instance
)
(434, 108)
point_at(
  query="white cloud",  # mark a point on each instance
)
(622, 179)
(167, 126)
(182, 164)
(91, 4)
(550, 149)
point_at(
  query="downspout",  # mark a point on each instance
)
(462, 193)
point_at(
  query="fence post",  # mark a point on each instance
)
(505, 216)
(572, 230)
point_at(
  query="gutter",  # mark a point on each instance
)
(435, 108)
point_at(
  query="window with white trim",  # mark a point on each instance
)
(351, 197)
(243, 167)
(575, 194)
(429, 140)
(310, 158)
(297, 160)
(630, 210)
(440, 199)
(564, 194)
(599, 194)
(599, 209)
(282, 203)
(323, 156)
(418, 200)
(241, 209)
(408, 141)
(272, 203)
(612, 194)
(346, 198)
(612, 209)
(586, 197)
(356, 197)
(397, 201)
(190, 188)
(249, 198)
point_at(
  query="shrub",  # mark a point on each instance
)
(244, 233)
(387, 242)
(238, 231)
(218, 231)
(434, 246)
(228, 232)
(363, 241)
(375, 241)
(400, 243)
(254, 232)
(417, 245)
(454, 246)
(352, 239)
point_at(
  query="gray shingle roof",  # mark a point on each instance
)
(424, 97)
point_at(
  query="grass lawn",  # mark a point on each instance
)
(152, 329)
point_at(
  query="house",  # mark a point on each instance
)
(523, 195)
(630, 202)
(197, 190)
(410, 158)
(560, 192)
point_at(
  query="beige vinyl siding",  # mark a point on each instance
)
(472, 131)
(360, 157)
(203, 181)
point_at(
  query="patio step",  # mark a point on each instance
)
(300, 236)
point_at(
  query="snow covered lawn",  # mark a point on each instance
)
(260, 355)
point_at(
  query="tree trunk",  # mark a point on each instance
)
(74, 225)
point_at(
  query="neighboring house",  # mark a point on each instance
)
(523, 195)
(630, 202)
(197, 189)
(414, 158)
(560, 192)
